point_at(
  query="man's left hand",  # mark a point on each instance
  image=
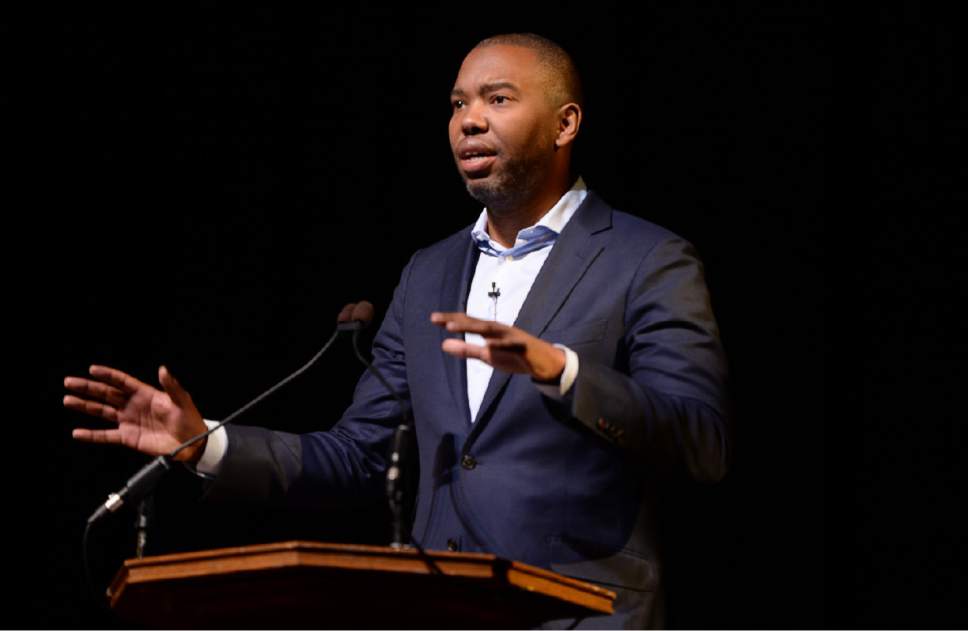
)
(507, 348)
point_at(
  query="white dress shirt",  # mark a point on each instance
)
(513, 277)
(509, 275)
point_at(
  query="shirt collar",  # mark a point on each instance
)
(555, 219)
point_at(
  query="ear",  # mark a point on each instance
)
(569, 120)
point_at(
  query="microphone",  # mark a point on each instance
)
(145, 509)
(362, 313)
(395, 483)
(138, 485)
(402, 438)
(354, 317)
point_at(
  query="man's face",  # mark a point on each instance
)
(503, 125)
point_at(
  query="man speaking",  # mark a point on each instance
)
(559, 359)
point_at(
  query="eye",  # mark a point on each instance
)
(499, 99)
(457, 104)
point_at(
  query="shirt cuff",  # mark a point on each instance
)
(215, 448)
(568, 375)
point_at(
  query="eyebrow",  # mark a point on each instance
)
(488, 87)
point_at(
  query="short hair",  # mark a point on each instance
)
(564, 78)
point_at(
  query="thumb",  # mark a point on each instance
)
(173, 388)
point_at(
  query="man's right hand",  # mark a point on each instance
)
(150, 420)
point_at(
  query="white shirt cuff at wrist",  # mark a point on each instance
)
(568, 376)
(215, 448)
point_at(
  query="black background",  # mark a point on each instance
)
(216, 182)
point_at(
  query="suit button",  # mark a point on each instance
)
(468, 462)
(452, 545)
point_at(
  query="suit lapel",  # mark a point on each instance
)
(459, 269)
(574, 251)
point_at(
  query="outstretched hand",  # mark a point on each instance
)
(507, 348)
(149, 420)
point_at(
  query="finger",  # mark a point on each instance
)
(118, 379)
(362, 312)
(463, 323)
(484, 328)
(442, 317)
(95, 390)
(108, 436)
(174, 389)
(460, 348)
(91, 408)
(346, 314)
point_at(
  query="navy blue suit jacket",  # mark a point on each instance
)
(567, 485)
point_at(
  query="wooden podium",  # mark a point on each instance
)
(299, 584)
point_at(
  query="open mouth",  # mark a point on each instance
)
(476, 161)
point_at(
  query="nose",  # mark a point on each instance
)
(472, 119)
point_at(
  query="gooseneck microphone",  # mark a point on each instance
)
(363, 313)
(353, 317)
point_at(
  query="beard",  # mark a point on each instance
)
(509, 187)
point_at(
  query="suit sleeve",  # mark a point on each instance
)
(666, 397)
(346, 463)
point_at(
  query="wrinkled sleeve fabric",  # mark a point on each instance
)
(666, 397)
(344, 463)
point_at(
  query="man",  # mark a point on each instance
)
(543, 441)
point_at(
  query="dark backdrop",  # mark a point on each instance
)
(908, 480)
(217, 182)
